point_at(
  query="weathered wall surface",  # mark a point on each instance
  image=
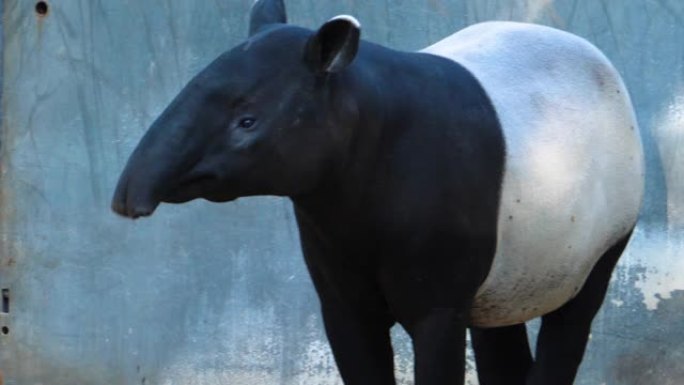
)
(218, 294)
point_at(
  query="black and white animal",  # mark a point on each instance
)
(486, 180)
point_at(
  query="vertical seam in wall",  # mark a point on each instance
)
(2, 71)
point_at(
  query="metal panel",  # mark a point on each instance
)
(210, 294)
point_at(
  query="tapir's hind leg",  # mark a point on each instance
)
(502, 355)
(564, 332)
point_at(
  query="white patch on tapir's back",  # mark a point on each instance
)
(573, 179)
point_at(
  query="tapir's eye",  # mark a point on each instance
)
(247, 123)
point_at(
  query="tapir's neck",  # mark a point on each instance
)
(392, 97)
(368, 105)
(424, 143)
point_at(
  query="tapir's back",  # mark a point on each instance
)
(573, 179)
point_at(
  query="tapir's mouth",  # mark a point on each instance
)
(190, 187)
(209, 186)
(135, 201)
(193, 181)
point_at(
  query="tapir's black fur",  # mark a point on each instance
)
(394, 162)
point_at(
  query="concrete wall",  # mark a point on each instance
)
(218, 294)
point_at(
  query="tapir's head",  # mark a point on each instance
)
(260, 120)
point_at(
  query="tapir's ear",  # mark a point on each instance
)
(334, 45)
(265, 13)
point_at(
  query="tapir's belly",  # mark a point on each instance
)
(573, 180)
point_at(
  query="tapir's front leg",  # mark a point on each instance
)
(357, 324)
(439, 347)
(431, 295)
(360, 342)
(357, 320)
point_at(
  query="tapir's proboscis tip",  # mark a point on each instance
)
(123, 210)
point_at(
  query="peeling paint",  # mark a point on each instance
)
(661, 269)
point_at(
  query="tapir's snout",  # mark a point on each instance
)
(169, 148)
(131, 204)
(147, 176)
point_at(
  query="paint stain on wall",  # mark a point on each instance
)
(661, 268)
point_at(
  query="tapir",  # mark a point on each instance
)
(486, 180)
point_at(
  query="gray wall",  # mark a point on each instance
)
(218, 294)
